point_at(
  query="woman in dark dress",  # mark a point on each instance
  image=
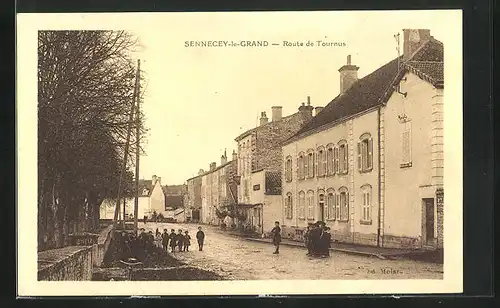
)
(276, 233)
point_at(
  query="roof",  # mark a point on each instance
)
(211, 171)
(174, 201)
(145, 184)
(376, 88)
(273, 183)
(174, 189)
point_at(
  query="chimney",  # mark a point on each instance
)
(277, 113)
(348, 75)
(317, 110)
(213, 165)
(263, 118)
(414, 39)
(223, 158)
(201, 171)
(306, 110)
(235, 155)
(153, 180)
(158, 179)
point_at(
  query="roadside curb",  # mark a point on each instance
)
(347, 251)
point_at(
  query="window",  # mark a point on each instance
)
(223, 189)
(301, 167)
(366, 205)
(322, 206)
(365, 153)
(302, 202)
(310, 164)
(321, 162)
(406, 145)
(288, 206)
(342, 157)
(330, 205)
(330, 161)
(288, 169)
(310, 204)
(343, 204)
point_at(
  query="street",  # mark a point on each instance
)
(238, 259)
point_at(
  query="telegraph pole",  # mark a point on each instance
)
(125, 156)
(137, 146)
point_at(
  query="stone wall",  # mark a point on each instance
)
(268, 152)
(440, 210)
(72, 263)
(105, 237)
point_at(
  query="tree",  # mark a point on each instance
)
(85, 94)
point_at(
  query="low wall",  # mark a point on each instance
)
(68, 263)
(103, 241)
(74, 262)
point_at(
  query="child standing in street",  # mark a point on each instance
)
(173, 240)
(165, 237)
(200, 237)
(187, 241)
(180, 240)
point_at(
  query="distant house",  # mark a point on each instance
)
(151, 199)
(174, 202)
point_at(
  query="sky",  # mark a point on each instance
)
(199, 99)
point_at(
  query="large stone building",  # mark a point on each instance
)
(193, 196)
(260, 165)
(218, 189)
(370, 164)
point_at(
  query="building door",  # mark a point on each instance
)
(321, 205)
(428, 225)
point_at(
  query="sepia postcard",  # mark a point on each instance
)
(239, 153)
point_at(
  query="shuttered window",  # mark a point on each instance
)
(329, 161)
(310, 204)
(289, 206)
(300, 167)
(344, 205)
(366, 203)
(406, 145)
(330, 202)
(310, 165)
(288, 169)
(301, 209)
(343, 160)
(365, 153)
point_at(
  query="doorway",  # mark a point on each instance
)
(428, 234)
(321, 205)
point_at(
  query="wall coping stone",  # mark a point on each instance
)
(56, 257)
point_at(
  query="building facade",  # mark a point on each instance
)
(371, 163)
(193, 197)
(260, 159)
(218, 189)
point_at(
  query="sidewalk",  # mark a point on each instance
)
(369, 251)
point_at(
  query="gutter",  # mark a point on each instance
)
(379, 178)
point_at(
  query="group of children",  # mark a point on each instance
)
(317, 239)
(179, 240)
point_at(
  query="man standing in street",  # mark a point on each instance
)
(276, 232)
(200, 237)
